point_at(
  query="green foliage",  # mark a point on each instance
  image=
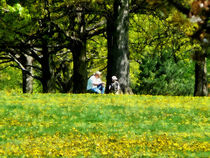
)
(162, 75)
(97, 55)
(10, 79)
(15, 20)
(163, 55)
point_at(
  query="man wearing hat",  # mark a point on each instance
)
(95, 85)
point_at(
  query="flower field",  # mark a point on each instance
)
(84, 125)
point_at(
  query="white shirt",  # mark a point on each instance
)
(93, 80)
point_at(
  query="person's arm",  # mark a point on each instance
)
(109, 87)
(118, 85)
(95, 82)
(98, 82)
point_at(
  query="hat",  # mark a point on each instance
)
(114, 78)
(97, 73)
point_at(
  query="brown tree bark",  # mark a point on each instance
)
(80, 67)
(201, 83)
(47, 69)
(78, 49)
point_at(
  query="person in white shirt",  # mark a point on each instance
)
(95, 85)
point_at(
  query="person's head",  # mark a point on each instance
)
(114, 78)
(98, 74)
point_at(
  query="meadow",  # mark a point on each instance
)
(88, 125)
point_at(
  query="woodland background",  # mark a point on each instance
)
(156, 47)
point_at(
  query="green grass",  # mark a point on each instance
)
(40, 115)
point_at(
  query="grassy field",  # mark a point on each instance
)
(69, 125)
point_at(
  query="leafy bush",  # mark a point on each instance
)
(164, 74)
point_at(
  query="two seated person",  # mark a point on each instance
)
(95, 85)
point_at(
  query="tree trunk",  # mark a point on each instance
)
(80, 67)
(79, 56)
(64, 81)
(110, 70)
(118, 53)
(48, 80)
(46, 75)
(201, 83)
(27, 79)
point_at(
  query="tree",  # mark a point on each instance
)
(162, 55)
(84, 26)
(35, 39)
(15, 18)
(118, 51)
(198, 13)
(60, 25)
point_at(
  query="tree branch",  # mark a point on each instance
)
(97, 32)
(94, 27)
(19, 63)
(180, 7)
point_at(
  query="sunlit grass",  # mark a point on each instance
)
(69, 125)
